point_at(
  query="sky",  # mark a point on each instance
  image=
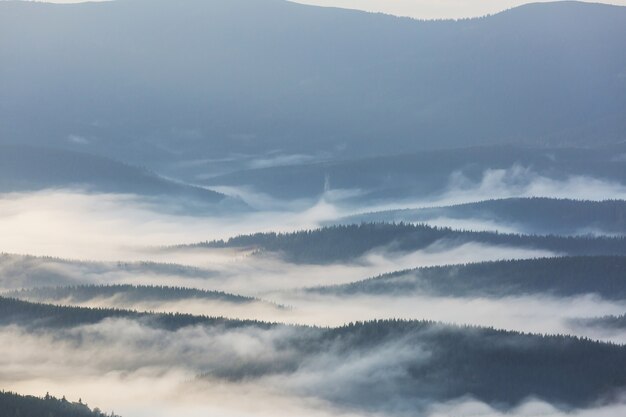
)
(420, 9)
(432, 9)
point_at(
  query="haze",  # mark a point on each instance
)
(251, 208)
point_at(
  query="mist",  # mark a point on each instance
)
(151, 372)
(72, 224)
(242, 273)
(516, 181)
(252, 208)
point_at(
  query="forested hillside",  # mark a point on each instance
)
(530, 215)
(604, 323)
(348, 242)
(24, 271)
(427, 174)
(124, 292)
(45, 316)
(416, 85)
(268, 208)
(560, 277)
(28, 168)
(14, 405)
(422, 361)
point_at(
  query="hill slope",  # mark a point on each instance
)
(561, 277)
(530, 215)
(126, 293)
(348, 243)
(383, 364)
(28, 168)
(14, 405)
(431, 173)
(336, 79)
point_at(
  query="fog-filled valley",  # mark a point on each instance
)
(257, 208)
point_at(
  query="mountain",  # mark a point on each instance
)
(14, 405)
(346, 243)
(617, 323)
(156, 81)
(530, 215)
(24, 271)
(28, 168)
(560, 277)
(48, 316)
(125, 293)
(431, 173)
(404, 365)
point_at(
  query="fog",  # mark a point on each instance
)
(242, 273)
(72, 224)
(529, 313)
(279, 284)
(142, 135)
(156, 370)
(516, 181)
(147, 372)
(520, 181)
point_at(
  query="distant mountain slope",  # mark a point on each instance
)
(431, 173)
(42, 316)
(348, 243)
(383, 363)
(26, 168)
(24, 271)
(206, 79)
(14, 405)
(561, 277)
(604, 323)
(530, 215)
(125, 292)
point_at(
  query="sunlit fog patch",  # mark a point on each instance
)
(175, 393)
(146, 371)
(152, 372)
(78, 225)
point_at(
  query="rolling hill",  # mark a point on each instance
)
(558, 277)
(407, 363)
(124, 293)
(14, 405)
(429, 174)
(343, 82)
(28, 168)
(346, 243)
(530, 215)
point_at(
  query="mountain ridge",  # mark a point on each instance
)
(344, 82)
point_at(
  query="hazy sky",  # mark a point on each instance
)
(421, 9)
(433, 9)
